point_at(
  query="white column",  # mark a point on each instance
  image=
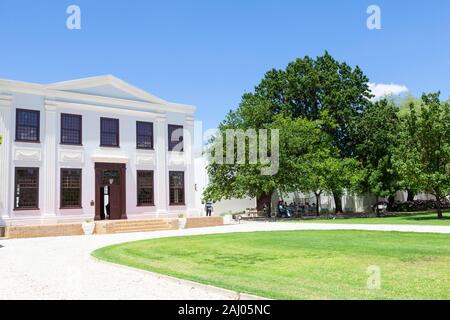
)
(161, 187)
(5, 149)
(50, 167)
(190, 167)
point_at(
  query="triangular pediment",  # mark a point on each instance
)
(106, 86)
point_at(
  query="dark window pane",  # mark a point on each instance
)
(27, 188)
(111, 177)
(27, 125)
(70, 188)
(71, 129)
(144, 135)
(175, 138)
(176, 182)
(109, 135)
(145, 188)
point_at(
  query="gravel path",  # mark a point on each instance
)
(62, 268)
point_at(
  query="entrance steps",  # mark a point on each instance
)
(106, 227)
(127, 226)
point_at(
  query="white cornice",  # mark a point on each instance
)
(110, 158)
(88, 107)
(48, 91)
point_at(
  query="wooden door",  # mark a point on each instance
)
(115, 202)
(117, 190)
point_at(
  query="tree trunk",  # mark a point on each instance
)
(264, 199)
(439, 208)
(411, 195)
(318, 203)
(377, 211)
(391, 201)
(338, 203)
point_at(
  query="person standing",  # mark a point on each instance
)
(209, 209)
(266, 211)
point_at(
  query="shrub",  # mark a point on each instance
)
(418, 205)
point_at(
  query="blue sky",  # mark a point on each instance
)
(208, 53)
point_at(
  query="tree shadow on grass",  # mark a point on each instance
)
(420, 216)
(431, 218)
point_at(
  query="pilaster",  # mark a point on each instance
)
(50, 160)
(161, 186)
(5, 152)
(190, 168)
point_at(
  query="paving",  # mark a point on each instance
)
(62, 267)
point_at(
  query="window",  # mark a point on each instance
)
(175, 138)
(70, 188)
(26, 188)
(27, 125)
(145, 188)
(109, 135)
(71, 129)
(176, 182)
(144, 135)
(111, 177)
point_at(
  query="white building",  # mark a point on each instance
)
(93, 148)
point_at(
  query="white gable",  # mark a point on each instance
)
(108, 91)
(102, 90)
(106, 86)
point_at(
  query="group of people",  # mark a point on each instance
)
(287, 211)
(283, 209)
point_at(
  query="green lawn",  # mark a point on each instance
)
(300, 264)
(413, 219)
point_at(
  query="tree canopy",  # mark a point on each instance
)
(422, 156)
(311, 100)
(376, 134)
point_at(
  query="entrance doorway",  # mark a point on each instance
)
(110, 191)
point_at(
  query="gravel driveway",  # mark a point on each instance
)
(62, 268)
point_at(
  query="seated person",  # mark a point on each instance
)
(283, 211)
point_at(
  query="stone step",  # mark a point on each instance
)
(141, 230)
(129, 226)
(165, 225)
(137, 223)
(140, 225)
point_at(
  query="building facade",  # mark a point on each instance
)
(95, 148)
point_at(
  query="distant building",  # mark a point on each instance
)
(351, 203)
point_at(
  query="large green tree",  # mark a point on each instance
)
(406, 153)
(309, 89)
(422, 156)
(376, 135)
(298, 139)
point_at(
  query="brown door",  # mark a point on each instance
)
(115, 202)
(112, 176)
